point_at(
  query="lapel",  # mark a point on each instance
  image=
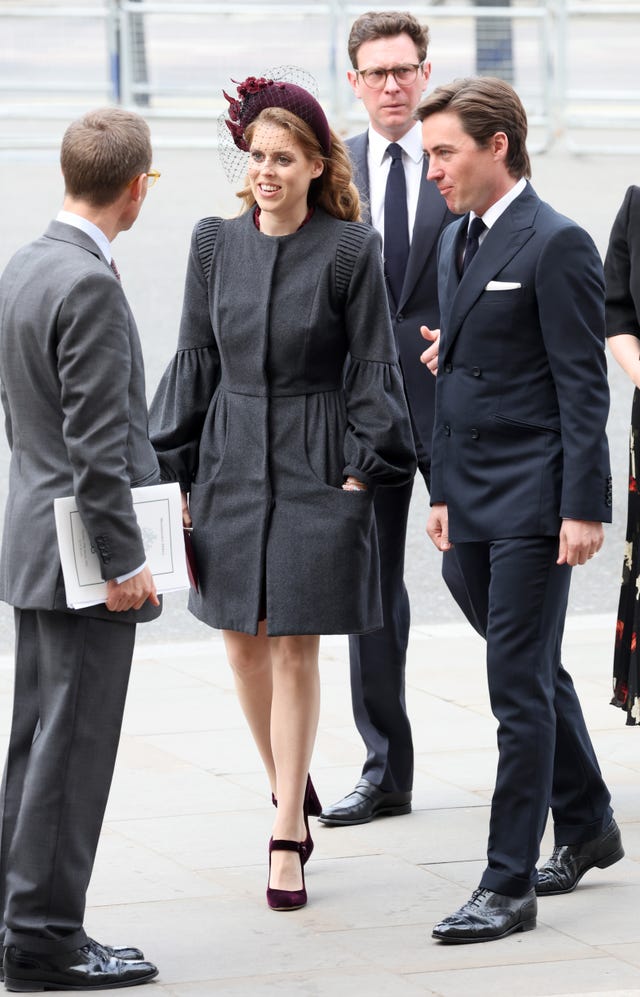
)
(430, 212)
(62, 232)
(504, 240)
(358, 147)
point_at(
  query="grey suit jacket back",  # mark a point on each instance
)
(418, 303)
(73, 393)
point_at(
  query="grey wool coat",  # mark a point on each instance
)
(285, 380)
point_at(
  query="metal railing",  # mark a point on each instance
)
(601, 98)
(172, 59)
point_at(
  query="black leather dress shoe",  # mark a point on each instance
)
(365, 803)
(568, 863)
(488, 916)
(91, 967)
(126, 952)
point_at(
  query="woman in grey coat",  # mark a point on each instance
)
(281, 411)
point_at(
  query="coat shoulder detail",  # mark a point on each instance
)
(206, 233)
(352, 239)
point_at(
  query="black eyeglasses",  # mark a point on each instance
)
(376, 78)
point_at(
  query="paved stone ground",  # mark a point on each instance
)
(182, 864)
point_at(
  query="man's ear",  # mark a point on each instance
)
(500, 145)
(138, 187)
(353, 80)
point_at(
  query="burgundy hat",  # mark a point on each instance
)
(275, 89)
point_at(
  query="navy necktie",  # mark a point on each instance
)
(476, 229)
(114, 268)
(396, 223)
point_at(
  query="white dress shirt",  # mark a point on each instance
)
(491, 215)
(379, 162)
(95, 233)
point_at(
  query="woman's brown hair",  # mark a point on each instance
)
(334, 190)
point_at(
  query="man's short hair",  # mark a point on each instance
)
(485, 105)
(104, 151)
(387, 24)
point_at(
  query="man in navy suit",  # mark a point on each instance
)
(520, 484)
(388, 51)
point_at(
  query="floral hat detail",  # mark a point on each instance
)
(289, 87)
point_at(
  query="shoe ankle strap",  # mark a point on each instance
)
(283, 845)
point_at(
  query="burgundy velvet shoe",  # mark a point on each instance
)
(286, 899)
(311, 807)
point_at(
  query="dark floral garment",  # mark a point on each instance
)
(626, 667)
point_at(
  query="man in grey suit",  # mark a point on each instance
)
(388, 51)
(73, 393)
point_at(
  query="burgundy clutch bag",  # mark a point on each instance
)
(192, 568)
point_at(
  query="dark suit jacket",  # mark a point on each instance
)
(622, 268)
(418, 303)
(73, 394)
(522, 395)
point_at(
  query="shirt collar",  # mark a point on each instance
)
(95, 233)
(410, 143)
(491, 215)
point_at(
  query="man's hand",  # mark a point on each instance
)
(438, 526)
(133, 593)
(579, 541)
(430, 357)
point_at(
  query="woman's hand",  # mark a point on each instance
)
(353, 485)
(626, 350)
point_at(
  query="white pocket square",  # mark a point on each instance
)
(502, 285)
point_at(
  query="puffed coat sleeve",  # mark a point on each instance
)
(379, 446)
(622, 269)
(183, 397)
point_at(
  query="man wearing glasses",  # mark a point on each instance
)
(388, 51)
(73, 394)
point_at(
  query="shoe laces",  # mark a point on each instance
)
(477, 897)
(555, 855)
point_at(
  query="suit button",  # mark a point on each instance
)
(399, 317)
(448, 367)
(447, 430)
(475, 371)
(475, 435)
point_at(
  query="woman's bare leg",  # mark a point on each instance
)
(278, 684)
(250, 660)
(295, 709)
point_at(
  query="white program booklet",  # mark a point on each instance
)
(158, 509)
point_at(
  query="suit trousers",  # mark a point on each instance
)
(71, 676)
(378, 660)
(545, 755)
